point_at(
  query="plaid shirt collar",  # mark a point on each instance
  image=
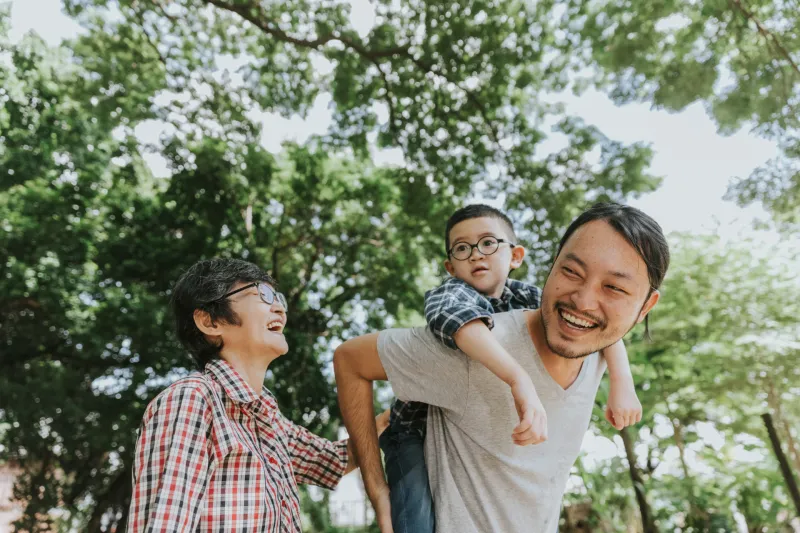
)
(238, 390)
(504, 298)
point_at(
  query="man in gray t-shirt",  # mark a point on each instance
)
(480, 480)
(604, 280)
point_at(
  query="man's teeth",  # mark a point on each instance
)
(275, 325)
(575, 320)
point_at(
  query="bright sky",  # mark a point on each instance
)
(696, 163)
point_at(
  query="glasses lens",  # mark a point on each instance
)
(488, 246)
(282, 301)
(268, 294)
(461, 250)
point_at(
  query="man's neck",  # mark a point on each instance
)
(563, 370)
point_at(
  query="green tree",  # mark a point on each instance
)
(725, 335)
(739, 58)
(92, 241)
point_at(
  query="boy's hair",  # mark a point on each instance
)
(202, 287)
(476, 211)
(641, 232)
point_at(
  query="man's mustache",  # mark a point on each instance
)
(574, 309)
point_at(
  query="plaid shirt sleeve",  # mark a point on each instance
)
(451, 306)
(171, 462)
(315, 461)
(529, 295)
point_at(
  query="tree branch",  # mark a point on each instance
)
(250, 12)
(768, 35)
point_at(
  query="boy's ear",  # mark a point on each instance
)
(205, 324)
(517, 256)
(449, 267)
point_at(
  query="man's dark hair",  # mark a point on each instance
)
(201, 287)
(476, 211)
(641, 232)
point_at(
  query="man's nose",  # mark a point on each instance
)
(584, 298)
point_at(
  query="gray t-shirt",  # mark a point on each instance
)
(481, 481)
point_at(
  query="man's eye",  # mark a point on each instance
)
(616, 289)
(569, 271)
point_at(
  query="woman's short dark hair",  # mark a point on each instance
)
(202, 287)
(641, 232)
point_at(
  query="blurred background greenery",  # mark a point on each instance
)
(138, 136)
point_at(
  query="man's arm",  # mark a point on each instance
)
(171, 462)
(356, 365)
(318, 461)
(624, 408)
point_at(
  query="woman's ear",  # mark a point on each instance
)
(205, 324)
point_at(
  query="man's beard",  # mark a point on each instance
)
(562, 352)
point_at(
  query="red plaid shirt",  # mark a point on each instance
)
(214, 456)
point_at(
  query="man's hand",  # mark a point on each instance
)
(383, 509)
(624, 408)
(382, 421)
(532, 427)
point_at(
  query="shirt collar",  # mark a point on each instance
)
(507, 293)
(237, 389)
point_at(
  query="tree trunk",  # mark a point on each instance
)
(773, 399)
(648, 524)
(788, 477)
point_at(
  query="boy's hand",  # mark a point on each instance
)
(624, 408)
(532, 427)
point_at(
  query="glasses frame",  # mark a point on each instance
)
(477, 245)
(271, 294)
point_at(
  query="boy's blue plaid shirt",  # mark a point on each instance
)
(447, 308)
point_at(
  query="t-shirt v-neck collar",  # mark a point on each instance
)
(560, 391)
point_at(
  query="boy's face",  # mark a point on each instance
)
(597, 290)
(486, 273)
(260, 330)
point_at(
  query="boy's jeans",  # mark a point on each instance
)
(409, 491)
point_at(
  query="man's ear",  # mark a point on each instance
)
(517, 256)
(651, 302)
(205, 324)
(449, 267)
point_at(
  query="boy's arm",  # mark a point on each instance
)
(624, 408)
(461, 318)
(453, 304)
(475, 340)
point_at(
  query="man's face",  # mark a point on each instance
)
(260, 332)
(486, 273)
(597, 290)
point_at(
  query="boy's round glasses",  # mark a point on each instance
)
(267, 294)
(487, 246)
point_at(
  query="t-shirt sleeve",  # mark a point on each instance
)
(421, 369)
